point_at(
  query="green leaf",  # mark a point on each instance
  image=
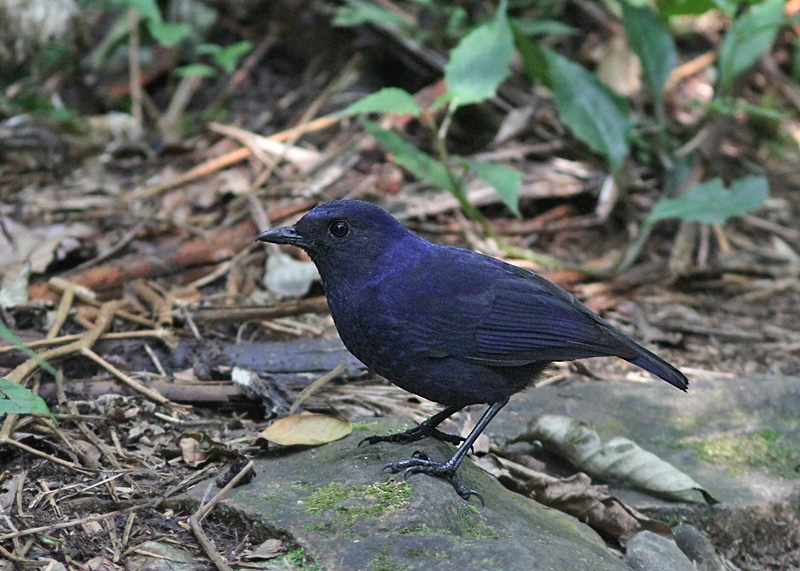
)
(505, 180)
(552, 28)
(387, 100)
(208, 49)
(8, 336)
(654, 45)
(168, 34)
(421, 164)
(533, 59)
(712, 203)
(228, 57)
(356, 13)
(591, 111)
(15, 399)
(196, 70)
(669, 8)
(147, 8)
(481, 61)
(750, 36)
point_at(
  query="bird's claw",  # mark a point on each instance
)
(420, 463)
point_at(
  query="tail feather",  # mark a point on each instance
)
(659, 367)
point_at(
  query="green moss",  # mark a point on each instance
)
(364, 425)
(765, 448)
(349, 503)
(327, 497)
(298, 560)
(384, 563)
(472, 525)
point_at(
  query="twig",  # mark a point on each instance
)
(134, 384)
(313, 387)
(73, 522)
(67, 297)
(202, 512)
(25, 448)
(157, 333)
(121, 244)
(135, 69)
(219, 163)
(238, 314)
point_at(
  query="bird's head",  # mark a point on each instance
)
(346, 237)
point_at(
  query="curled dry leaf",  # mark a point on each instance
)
(577, 496)
(307, 429)
(618, 459)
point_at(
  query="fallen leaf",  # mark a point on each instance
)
(270, 549)
(618, 459)
(308, 429)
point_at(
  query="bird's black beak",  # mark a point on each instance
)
(284, 235)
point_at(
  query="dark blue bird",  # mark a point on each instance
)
(451, 325)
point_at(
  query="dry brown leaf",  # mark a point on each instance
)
(270, 549)
(308, 429)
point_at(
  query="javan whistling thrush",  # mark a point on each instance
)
(451, 325)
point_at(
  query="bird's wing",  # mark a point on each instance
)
(485, 311)
(530, 320)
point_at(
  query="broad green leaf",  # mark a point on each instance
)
(421, 164)
(669, 8)
(481, 61)
(619, 459)
(712, 203)
(7, 335)
(307, 429)
(750, 36)
(147, 8)
(533, 59)
(591, 111)
(208, 49)
(505, 180)
(551, 28)
(654, 45)
(196, 70)
(356, 13)
(387, 100)
(168, 34)
(15, 399)
(228, 57)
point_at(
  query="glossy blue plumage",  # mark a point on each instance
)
(445, 323)
(450, 324)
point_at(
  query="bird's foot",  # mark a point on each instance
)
(420, 463)
(412, 435)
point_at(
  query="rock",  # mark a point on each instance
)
(737, 437)
(157, 556)
(336, 503)
(697, 547)
(648, 551)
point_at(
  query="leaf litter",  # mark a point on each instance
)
(125, 229)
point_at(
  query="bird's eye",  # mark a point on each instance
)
(339, 228)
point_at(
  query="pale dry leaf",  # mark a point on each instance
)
(307, 429)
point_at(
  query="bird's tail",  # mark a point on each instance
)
(659, 367)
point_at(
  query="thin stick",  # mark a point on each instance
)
(135, 70)
(202, 512)
(158, 333)
(313, 387)
(134, 384)
(73, 522)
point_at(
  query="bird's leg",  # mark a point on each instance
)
(427, 428)
(421, 463)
